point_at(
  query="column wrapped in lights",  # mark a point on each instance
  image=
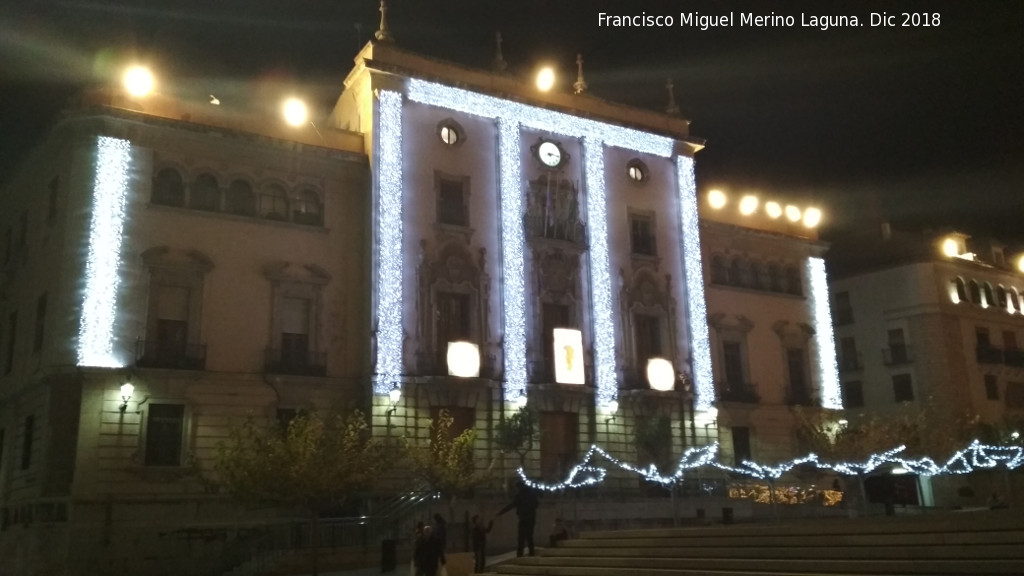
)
(103, 258)
(700, 342)
(389, 242)
(512, 259)
(601, 293)
(828, 370)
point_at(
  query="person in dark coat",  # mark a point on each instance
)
(479, 538)
(428, 554)
(525, 503)
(441, 530)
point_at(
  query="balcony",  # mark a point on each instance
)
(988, 354)
(295, 362)
(741, 392)
(1013, 357)
(850, 363)
(170, 354)
(896, 355)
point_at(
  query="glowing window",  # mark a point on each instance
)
(307, 208)
(449, 132)
(961, 289)
(636, 171)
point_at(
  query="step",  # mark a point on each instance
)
(819, 538)
(665, 566)
(1008, 550)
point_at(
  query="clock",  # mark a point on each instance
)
(550, 154)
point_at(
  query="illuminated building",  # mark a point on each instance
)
(933, 320)
(224, 263)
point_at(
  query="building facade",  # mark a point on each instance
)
(932, 320)
(447, 239)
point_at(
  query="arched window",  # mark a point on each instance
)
(761, 279)
(274, 203)
(734, 272)
(975, 292)
(240, 199)
(961, 289)
(1014, 301)
(719, 270)
(205, 194)
(747, 278)
(775, 276)
(794, 285)
(989, 300)
(168, 188)
(1001, 297)
(307, 208)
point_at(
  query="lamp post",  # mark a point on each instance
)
(127, 391)
(395, 394)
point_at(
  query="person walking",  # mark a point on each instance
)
(428, 554)
(525, 503)
(441, 530)
(479, 538)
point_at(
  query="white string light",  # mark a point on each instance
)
(513, 263)
(965, 461)
(103, 259)
(602, 306)
(700, 341)
(389, 242)
(828, 370)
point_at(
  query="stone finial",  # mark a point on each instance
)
(672, 107)
(579, 86)
(383, 34)
(498, 63)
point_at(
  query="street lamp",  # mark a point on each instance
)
(395, 394)
(127, 390)
(138, 81)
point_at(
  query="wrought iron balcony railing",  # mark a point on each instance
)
(742, 392)
(297, 362)
(169, 354)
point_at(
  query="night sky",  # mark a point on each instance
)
(918, 125)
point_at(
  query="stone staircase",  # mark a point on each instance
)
(961, 543)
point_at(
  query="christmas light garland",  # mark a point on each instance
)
(974, 456)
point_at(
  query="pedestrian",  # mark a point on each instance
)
(417, 536)
(479, 538)
(428, 554)
(441, 530)
(558, 533)
(525, 503)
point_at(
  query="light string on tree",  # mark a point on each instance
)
(973, 457)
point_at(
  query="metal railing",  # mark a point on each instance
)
(896, 355)
(988, 354)
(169, 354)
(297, 362)
(741, 392)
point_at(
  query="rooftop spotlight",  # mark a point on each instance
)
(793, 213)
(545, 79)
(295, 112)
(138, 81)
(950, 248)
(812, 217)
(1020, 264)
(748, 205)
(717, 199)
(773, 209)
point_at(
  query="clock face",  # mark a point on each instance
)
(549, 154)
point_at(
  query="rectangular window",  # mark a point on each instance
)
(991, 387)
(647, 331)
(982, 335)
(843, 311)
(902, 388)
(558, 444)
(853, 394)
(733, 353)
(295, 331)
(27, 439)
(641, 235)
(37, 341)
(164, 429)
(451, 202)
(848, 357)
(797, 370)
(1009, 340)
(12, 333)
(172, 323)
(741, 444)
(898, 352)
